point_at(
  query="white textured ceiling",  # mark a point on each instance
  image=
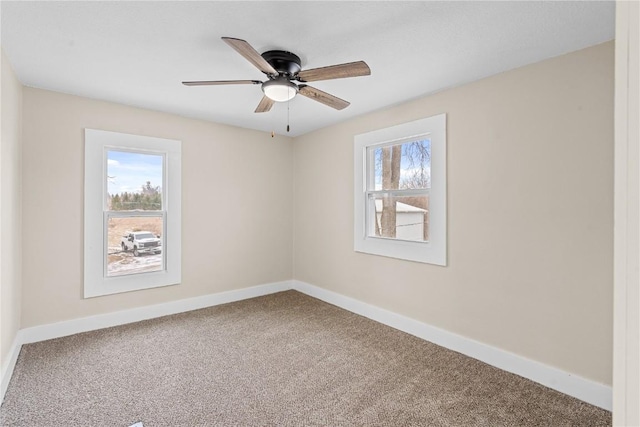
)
(137, 53)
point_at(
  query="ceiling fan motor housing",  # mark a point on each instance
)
(285, 63)
(285, 78)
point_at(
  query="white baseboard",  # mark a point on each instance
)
(564, 382)
(85, 324)
(581, 388)
(7, 367)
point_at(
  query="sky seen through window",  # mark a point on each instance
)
(129, 171)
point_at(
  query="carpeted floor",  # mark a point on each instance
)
(280, 360)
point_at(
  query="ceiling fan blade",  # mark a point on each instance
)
(323, 97)
(222, 82)
(340, 71)
(250, 54)
(265, 104)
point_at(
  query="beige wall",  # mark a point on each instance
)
(626, 323)
(236, 205)
(530, 158)
(530, 214)
(10, 219)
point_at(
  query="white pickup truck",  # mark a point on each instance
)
(141, 242)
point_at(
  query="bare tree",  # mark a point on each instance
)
(148, 189)
(418, 156)
(418, 176)
(391, 157)
(403, 166)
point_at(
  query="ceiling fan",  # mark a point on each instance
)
(282, 68)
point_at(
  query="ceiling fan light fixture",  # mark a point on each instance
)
(280, 89)
(281, 67)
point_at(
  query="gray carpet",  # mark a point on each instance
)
(280, 360)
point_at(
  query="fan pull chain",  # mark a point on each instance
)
(288, 102)
(273, 132)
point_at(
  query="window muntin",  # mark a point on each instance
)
(399, 179)
(132, 186)
(413, 201)
(134, 183)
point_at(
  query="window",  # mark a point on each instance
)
(132, 213)
(400, 191)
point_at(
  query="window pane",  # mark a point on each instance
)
(134, 245)
(403, 218)
(134, 181)
(403, 166)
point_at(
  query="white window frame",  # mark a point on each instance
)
(97, 144)
(435, 250)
